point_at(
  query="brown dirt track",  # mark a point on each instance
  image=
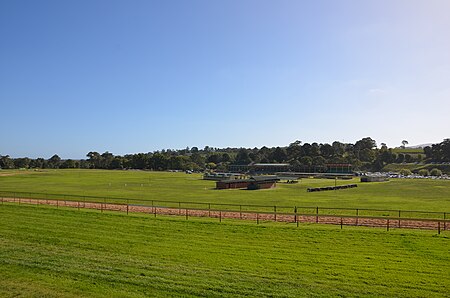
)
(253, 216)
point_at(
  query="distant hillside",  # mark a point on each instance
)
(419, 146)
(408, 150)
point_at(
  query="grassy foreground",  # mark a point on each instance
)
(402, 194)
(68, 253)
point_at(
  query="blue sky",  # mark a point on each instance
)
(138, 76)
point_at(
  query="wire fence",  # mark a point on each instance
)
(260, 213)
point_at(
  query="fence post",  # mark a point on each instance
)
(387, 225)
(295, 214)
(439, 227)
(341, 223)
(187, 214)
(220, 216)
(154, 208)
(179, 208)
(357, 214)
(445, 224)
(101, 206)
(209, 209)
(127, 206)
(257, 218)
(78, 205)
(240, 211)
(399, 221)
(317, 214)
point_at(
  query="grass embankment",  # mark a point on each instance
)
(415, 168)
(410, 151)
(402, 194)
(68, 253)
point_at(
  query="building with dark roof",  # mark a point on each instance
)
(253, 183)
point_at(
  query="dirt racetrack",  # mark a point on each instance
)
(259, 217)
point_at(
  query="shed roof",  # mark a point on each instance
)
(270, 164)
(262, 178)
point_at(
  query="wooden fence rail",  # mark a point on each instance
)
(295, 216)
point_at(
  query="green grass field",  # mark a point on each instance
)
(411, 151)
(48, 252)
(402, 194)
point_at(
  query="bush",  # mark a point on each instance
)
(435, 172)
(405, 172)
(424, 172)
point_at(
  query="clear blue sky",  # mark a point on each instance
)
(137, 76)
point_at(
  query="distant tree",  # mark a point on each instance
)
(83, 164)
(404, 143)
(428, 152)
(400, 158)
(405, 172)
(242, 157)
(106, 159)
(198, 159)
(117, 163)
(157, 161)
(279, 155)
(294, 150)
(215, 158)
(318, 161)
(436, 152)
(365, 143)
(306, 149)
(315, 150)
(419, 157)
(445, 147)
(424, 172)
(6, 162)
(408, 158)
(254, 156)
(327, 150)
(179, 163)
(23, 162)
(38, 163)
(435, 172)
(211, 165)
(306, 161)
(226, 157)
(94, 159)
(263, 154)
(367, 155)
(54, 161)
(339, 148)
(68, 164)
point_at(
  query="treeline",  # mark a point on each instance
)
(363, 155)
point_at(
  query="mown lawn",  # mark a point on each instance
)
(428, 195)
(68, 253)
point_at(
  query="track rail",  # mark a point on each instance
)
(258, 216)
